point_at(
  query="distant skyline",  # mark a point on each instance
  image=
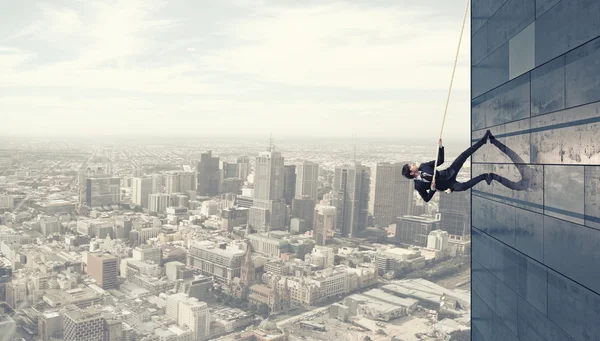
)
(321, 69)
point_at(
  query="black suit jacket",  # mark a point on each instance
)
(443, 178)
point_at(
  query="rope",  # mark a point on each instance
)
(450, 89)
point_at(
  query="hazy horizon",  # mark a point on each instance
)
(153, 67)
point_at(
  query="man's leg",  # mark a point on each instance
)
(463, 186)
(462, 158)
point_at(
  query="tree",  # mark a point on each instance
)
(263, 310)
(252, 308)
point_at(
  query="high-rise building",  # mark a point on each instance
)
(324, 224)
(209, 176)
(103, 268)
(455, 210)
(414, 230)
(189, 312)
(243, 168)
(391, 194)
(307, 180)
(158, 202)
(304, 209)
(49, 226)
(289, 183)
(351, 199)
(158, 183)
(179, 182)
(535, 236)
(268, 209)
(229, 170)
(103, 192)
(142, 188)
(83, 324)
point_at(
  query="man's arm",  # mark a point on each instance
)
(440, 155)
(426, 195)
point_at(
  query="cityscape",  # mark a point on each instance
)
(241, 242)
(277, 170)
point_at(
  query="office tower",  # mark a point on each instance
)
(307, 180)
(209, 175)
(268, 209)
(243, 168)
(455, 210)
(304, 209)
(147, 253)
(171, 183)
(351, 199)
(142, 188)
(83, 324)
(49, 226)
(391, 194)
(187, 182)
(113, 327)
(158, 183)
(158, 202)
(50, 325)
(179, 182)
(103, 192)
(103, 268)
(189, 312)
(414, 230)
(324, 224)
(535, 242)
(229, 170)
(289, 183)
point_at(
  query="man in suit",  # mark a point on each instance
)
(445, 180)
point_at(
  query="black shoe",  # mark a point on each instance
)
(489, 177)
(488, 136)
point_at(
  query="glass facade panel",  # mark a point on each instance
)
(536, 232)
(541, 6)
(533, 283)
(572, 250)
(521, 50)
(592, 196)
(568, 136)
(490, 72)
(582, 74)
(506, 305)
(482, 317)
(510, 102)
(572, 307)
(529, 234)
(510, 19)
(564, 27)
(563, 192)
(482, 11)
(480, 50)
(534, 326)
(548, 87)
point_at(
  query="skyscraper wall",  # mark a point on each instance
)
(142, 188)
(351, 199)
(307, 180)
(391, 194)
(536, 85)
(209, 175)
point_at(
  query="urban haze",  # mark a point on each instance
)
(231, 170)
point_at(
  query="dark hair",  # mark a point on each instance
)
(406, 171)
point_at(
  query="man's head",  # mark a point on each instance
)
(410, 170)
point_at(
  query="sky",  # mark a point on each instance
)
(373, 68)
